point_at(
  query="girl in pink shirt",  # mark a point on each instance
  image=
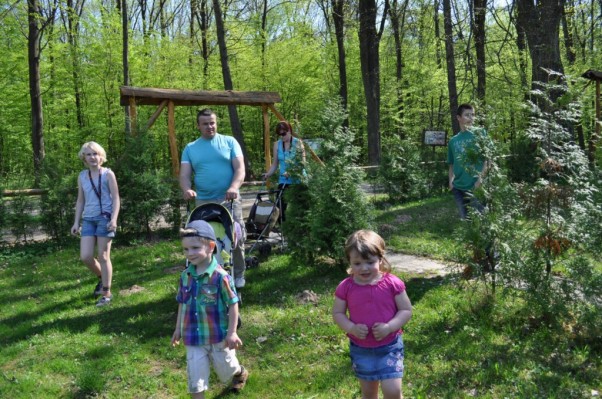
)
(371, 306)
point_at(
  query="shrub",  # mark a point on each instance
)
(400, 172)
(334, 206)
(58, 205)
(143, 188)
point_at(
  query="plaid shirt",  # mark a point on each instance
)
(205, 300)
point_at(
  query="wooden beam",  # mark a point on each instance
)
(173, 147)
(156, 114)
(275, 111)
(266, 137)
(26, 192)
(154, 96)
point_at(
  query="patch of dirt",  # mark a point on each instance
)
(174, 269)
(134, 289)
(307, 296)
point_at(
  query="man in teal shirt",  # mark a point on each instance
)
(219, 170)
(467, 166)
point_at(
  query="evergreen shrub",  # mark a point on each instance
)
(144, 189)
(58, 204)
(401, 174)
(334, 205)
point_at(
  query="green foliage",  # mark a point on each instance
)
(58, 204)
(337, 206)
(522, 162)
(539, 230)
(401, 173)
(142, 187)
(20, 216)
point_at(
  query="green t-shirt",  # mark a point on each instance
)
(463, 153)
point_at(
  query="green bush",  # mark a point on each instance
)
(400, 172)
(540, 229)
(20, 216)
(334, 205)
(143, 189)
(58, 205)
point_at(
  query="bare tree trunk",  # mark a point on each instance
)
(369, 60)
(204, 25)
(124, 60)
(541, 23)
(35, 92)
(521, 44)
(437, 33)
(227, 76)
(568, 32)
(451, 65)
(338, 18)
(397, 17)
(479, 9)
(74, 12)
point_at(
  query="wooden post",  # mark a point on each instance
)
(173, 147)
(266, 137)
(133, 116)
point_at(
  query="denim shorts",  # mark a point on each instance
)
(380, 363)
(96, 227)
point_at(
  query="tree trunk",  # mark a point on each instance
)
(397, 17)
(478, 29)
(568, 32)
(204, 25)
(338, 18)
(73, 15)
(451, 65)
(370, 75)
(227, 76)
(437, 33)
(124, 60)
(35, 91)
(541, 24)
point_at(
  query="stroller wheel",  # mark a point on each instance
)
(251, 262)
(265, 249)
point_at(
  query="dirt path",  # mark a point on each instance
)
(417, 265)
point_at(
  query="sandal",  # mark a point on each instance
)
(239, 380)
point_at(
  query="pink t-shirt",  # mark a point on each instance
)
(369, 304)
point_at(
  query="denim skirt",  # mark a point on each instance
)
(380, 363)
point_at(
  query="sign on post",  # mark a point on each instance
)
(434, 137)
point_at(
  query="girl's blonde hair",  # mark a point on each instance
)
(94, 146)
(367, 243)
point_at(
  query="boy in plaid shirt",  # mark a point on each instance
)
(207, 314)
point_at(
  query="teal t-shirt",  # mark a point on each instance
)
(463, 153)
(211, 162)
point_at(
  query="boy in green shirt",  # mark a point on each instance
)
(467, 166)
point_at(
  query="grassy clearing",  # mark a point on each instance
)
(54, 343)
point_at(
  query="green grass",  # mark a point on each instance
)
(54, 343)
(424, 228)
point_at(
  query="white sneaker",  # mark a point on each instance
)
(239, 282)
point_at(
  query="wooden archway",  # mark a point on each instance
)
(170, 98)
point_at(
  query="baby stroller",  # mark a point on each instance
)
(263, 218)
(227, 233)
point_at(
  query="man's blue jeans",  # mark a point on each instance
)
(464, 199)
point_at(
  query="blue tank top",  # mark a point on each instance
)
(91, 200)
(286, 159)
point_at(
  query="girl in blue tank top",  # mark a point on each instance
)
(97, 207)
